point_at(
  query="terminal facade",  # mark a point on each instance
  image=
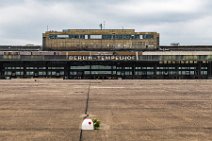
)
(107, 65)
(93, 54)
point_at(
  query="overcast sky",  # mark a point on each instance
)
(185, 21)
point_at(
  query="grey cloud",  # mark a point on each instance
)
(10, 2)
(173, 25)
(157, 19)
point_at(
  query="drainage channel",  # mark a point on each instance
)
(86, 109)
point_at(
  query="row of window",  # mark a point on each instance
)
(138, 73)
(105, 37)
(31, 73)
(101, 67)
(31, 68)
(61, 73)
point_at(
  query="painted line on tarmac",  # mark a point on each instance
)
(97, 87)
(86, 110)
(100, 87)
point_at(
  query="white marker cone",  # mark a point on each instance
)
(87, 124)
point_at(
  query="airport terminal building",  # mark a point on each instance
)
(105, 54)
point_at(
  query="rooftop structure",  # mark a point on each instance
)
(100, 39)
(20, 48)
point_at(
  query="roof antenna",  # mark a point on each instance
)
(101, 26)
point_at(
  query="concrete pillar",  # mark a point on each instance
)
(67, 70)
(1, 71)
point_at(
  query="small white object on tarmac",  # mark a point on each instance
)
(87, 124)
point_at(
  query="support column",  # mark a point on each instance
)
(155, 71)
(133, 71)
(209, 69)
(1, 71)
(199, 69)
(46, 65)
(176, 71)
(67, 71)
(24, 70)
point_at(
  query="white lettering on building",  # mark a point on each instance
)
(102, 58)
